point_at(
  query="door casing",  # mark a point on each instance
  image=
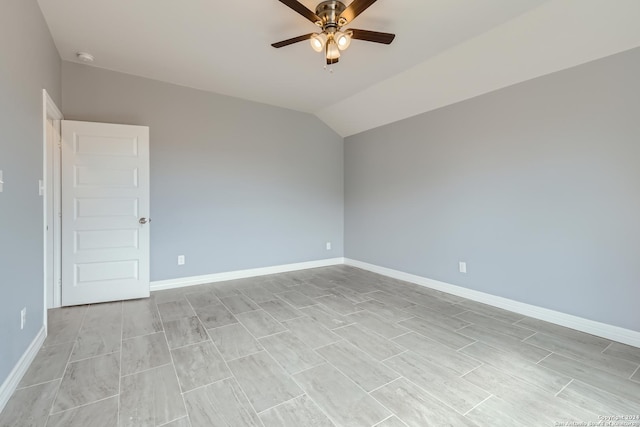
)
(52, 243)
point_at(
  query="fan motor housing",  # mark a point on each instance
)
(330, 11)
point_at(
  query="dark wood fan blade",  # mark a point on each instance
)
(287, 42)
(355, 9)
(372, 36)
(302, 10)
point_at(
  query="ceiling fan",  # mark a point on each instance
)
(331, 16)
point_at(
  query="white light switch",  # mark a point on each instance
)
(463, 267)
(40, 187)
(1, 182)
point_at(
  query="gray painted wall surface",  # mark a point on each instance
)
(536, 187)
(29, 63)
(234, 184)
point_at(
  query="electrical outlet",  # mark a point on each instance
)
(328, 246)
(23, 317)
(462, 267)
(180, 259)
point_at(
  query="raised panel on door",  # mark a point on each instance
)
(105, 193)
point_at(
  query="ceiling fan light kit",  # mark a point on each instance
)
(331, 16)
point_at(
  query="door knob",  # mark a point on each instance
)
(144, 220)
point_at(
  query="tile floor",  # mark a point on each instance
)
(334, 346)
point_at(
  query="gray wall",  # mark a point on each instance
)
(234, 184)
(29, 63)
(536, 187)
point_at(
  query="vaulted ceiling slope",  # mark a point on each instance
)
(445, 50)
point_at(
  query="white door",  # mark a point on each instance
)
(105, 212)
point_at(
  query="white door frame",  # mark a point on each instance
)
(51, 196)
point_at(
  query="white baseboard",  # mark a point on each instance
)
(241, 274)
(604, 330)
(11, 383)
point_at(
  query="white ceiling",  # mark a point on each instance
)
(445, 50)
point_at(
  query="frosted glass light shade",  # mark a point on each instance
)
(333, 53)
(343, 40)
(318, 41)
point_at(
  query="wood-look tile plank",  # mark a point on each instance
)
(265, 383)
(182, 422)
(496, 412)
(202, 298)
(215, 315)
(150, 398)
(323, 282)
(63, 324)
(440, 382)
(325, 316)
(496, 325)
(103, 413)
(624, 351)
(198, 365)
(377, 324)
(586, 354)
(361, 368)
(234, 341)
(260, 324)
(374, 345)
(101, 331)
(297, 412)
(357, 283)
(291, 353)
(312, 291)
(392, 421)
(593, 376)
(296, 299)
(520, 368)
(344, 402)
(339, 304)
(258, 294)
(140, 317)
(596, 400)
(349, 294)
(437, 333)
(488, 310)
(431, 303)
(168, 295)
(48, 365)
(527, 397)
(225, 289)
(87, 381)
(239, 304)
(173, 310)
(390, 299)
(311, 332)
(29, 406)
(438, 353)
(435, 318)
(184, 331)
(144, 352)
(504, 342)
(220, 404)
(597, 343)
(386, 311)
(280, 310)
(415, 407)
(274, 286)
